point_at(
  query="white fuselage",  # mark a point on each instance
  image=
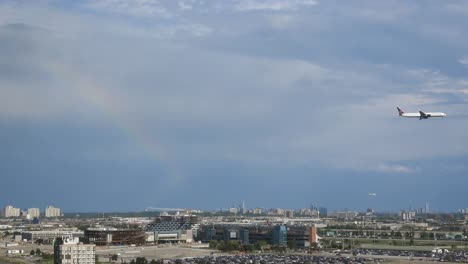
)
(428, 114)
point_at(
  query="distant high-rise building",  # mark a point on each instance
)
(257, 211)
(323, 212)
(51, 211)
(34, 212)
(243, 209)
(427, 208)
(408, 215)
(10, 211)
(68, 250)
(278, 211)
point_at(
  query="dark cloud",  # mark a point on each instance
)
(136, 103)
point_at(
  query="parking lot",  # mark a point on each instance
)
(127, 253)
(268, 258)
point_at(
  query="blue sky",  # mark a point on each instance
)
(113, 105)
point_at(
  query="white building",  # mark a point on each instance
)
(34, 212)
(51, 211)
(10, 211)
(69, 250)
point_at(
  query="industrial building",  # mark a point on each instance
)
(114, 236)
(68, 250)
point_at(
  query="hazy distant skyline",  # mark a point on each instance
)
(113, 105)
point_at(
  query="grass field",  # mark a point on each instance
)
(6, 260)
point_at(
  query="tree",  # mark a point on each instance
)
(424, 235)
(141, 260)
(213, 244)
(114, 257)
(292, 244)
(38, 251)
(279, 249)
(398, 234)
(259, 245)
(249, 248)
(32, 253)
(220, 245)
(232, 245)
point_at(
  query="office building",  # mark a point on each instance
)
(298, 236)
(280, 235)
(278, 211)
(68, 250)
(408, 215)
(323, 212)
(313, 238)
(176, 228)
(10, 211)
(244, 236)
(257, 211)
(426, 209)
(34, 212)
(103, 236)
(51, 211)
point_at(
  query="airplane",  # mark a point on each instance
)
(421, 114)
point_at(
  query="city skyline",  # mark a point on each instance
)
(115, 106)
(419, 208)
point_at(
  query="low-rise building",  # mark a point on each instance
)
(49, 235)
(68, 250)
(112, 236)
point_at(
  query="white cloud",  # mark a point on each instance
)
(261, 108)
(394, 168)
(431, 78)
(138, 8)
(185, 5)
(274, 5)
(464, 61)
(281, 21)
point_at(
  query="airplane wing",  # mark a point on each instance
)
(423, 115)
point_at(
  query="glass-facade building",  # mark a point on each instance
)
(280, 235)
